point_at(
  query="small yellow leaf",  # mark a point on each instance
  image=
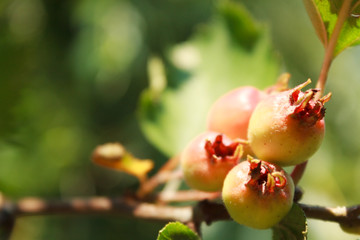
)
(115, 156)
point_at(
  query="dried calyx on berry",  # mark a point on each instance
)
(288, 127)
(207, 159)
(307, 109)
(282, 84)
(258, 194)
(264, 177)
(230, 114)
(217, 151)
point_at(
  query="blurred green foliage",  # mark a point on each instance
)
(220, 57)
(72, 72)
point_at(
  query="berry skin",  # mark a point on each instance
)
(258, 194)
(231, 113)
(288, 127)
(207, 159)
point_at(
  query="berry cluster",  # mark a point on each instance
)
(251, 134)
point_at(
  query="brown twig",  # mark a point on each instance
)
(186, 196)
(357, 4)
(204, 211)
(163, 175)
(98, 205)
(336, 214)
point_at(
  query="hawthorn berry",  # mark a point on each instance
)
(258, 194)
(288, 127)
(231, 113)
(207, 159)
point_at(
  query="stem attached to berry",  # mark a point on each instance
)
(329, 49)
(298, 172)
(328, 58)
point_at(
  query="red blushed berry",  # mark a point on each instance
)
(231, 113)
(257, 194)
(288, 127)
(207, 159)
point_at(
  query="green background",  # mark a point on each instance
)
(72, 73)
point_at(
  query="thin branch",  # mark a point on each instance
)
(336, 214)
(329, 51)
(355, 6)
(204, 211)
(186, 196)
(98, 205)
(163, 175)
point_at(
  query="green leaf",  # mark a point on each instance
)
(177, 231)
(324, 14)
(292, 227)
(231, 51)
(317, 21)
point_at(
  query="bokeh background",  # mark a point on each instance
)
(72, 74)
